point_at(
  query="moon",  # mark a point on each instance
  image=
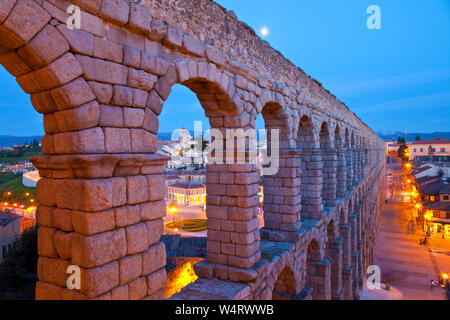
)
(264, 31)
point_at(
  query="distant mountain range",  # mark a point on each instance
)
(10, 141)
(393, 135)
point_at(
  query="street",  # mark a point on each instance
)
(404, 263)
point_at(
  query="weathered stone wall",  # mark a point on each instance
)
(217, 26)
(101, 89)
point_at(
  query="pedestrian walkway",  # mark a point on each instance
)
(404, 263)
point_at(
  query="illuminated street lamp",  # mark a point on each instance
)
(173, 210)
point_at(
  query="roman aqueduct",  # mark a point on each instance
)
(100, 90)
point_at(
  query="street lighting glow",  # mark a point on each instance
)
(264, 31)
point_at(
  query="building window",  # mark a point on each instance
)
(442, 149)
(415, 150)
(445, 197)
(421, 149)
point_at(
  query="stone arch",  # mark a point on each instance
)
(286, 285)
(348, 159)
(342, 216)
(101, 90)
(341, 173)
(317, 272)
(334, 253)
(311, 173)
(332, 232)
(214, 88)
(329, 159)
(281, 219)
(232, 189)
(306, 134)
(324, 136)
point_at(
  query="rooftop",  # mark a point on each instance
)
(432, 141)
(432, 187)
(7, 218)
(181, 173)
(188, 185)
(442, 206)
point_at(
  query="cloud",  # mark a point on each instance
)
(425, 102)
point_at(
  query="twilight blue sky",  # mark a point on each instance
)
(394, 79)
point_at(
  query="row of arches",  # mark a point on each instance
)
(101, 90)
(333, 262)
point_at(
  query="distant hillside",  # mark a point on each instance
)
(412, 136)
(10, 141)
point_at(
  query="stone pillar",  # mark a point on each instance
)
(363, 241)
(334, 253)
(349, 168)
(282, 199)
(101, 214)
(354, 251)
(311, 184)
(341, 174)
(366, 158)
(233, 226)
(361, 163)
(355, 163)
(347, 283)
(347, 280)
(329, 174)
(318, 277)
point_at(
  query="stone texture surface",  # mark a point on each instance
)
(101, 201)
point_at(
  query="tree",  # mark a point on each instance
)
(401, 140)
(430, 150)
(417, 138)
(402, 151)
(18, 273)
